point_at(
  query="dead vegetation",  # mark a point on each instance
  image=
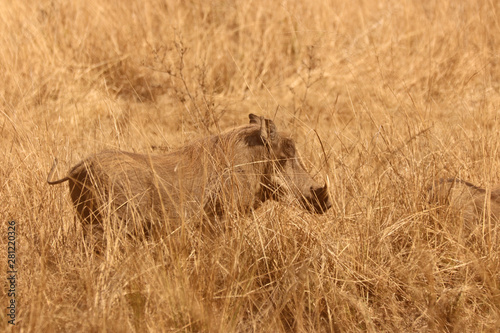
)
(383, 99)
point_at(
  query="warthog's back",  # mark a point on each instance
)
(474, 202)
(195, 180)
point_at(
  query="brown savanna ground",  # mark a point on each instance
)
(382, 97)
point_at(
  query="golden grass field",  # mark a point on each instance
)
(400, 93)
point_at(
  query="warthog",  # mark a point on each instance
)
(217, 175)
(474, 202)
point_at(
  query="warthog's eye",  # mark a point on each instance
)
(281, 162)
(288, 148)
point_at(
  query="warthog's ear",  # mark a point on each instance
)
(268, 131)
(254, 119)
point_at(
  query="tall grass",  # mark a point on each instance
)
(382, 98)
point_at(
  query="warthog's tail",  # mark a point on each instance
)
(51, 172)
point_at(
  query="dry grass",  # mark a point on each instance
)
(400, 93)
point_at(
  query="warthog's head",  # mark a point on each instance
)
(285, 172)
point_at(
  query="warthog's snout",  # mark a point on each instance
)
(317, 200)
(320, 199)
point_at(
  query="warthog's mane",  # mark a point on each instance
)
(233, 142)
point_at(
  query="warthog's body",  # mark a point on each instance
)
(227, 173)
(474, 202)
